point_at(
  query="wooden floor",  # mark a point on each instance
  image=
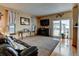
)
(65, 48)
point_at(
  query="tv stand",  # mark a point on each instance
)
(43, 31)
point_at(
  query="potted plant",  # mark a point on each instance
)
(62, 35)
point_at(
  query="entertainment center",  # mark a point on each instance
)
(44, 27)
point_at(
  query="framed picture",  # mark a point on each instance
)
(24, 21)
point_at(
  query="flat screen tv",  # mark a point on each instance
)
(44, 22)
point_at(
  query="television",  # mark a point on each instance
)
(44, 22)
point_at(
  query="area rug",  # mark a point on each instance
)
(45, 45)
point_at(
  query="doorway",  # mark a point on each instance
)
(61, 28)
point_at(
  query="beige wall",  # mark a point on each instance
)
(3, 21)
(17, 20)
(67, 15)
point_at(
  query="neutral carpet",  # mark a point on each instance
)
(45, 45)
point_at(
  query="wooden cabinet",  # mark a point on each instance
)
(75, 30)
(75, 21)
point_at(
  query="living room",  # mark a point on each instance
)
(33, 24)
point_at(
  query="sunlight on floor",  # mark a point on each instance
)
(65, 48)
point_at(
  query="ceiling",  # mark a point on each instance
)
(37, 9)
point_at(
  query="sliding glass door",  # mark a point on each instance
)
(65, 28)
(56, 28)
(61, 27)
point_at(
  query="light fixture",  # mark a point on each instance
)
(59, 15)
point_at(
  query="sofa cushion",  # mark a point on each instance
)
(7, 50)
(10, 51)
(10, 41)
(14, 44)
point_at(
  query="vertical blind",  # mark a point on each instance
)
(11, 21)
